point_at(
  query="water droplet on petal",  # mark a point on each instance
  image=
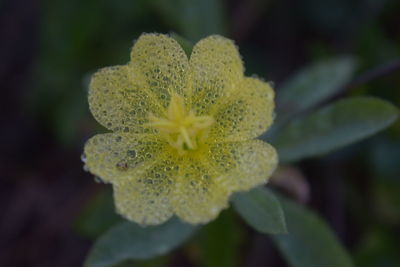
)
(98, 180)
(206, 177)
(85, 168)
(131, 153)
(83, 157)
(122, 166)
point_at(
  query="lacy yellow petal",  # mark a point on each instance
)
(182, 130)
(242, 165)
(114, 157)
(119, 99)
(163, 63)
(246, 114)
(216, 69)
(145, 199)
(197, 197)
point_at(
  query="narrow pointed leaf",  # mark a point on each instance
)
(310, 242)
(261, 210)
(131, 241)
(332, 127)
(314, 84)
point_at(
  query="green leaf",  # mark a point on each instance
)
(310, 241)
(261, 210)
(337, 125)
(131, 241)
(221, 241)
(312, 85)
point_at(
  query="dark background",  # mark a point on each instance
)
(51, 210)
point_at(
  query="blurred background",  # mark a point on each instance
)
(51, 210)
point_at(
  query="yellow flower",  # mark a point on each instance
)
(183, 130)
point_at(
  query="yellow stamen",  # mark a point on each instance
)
(182, 129)
(186, 137)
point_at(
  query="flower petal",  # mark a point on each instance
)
(115, 156)
(163, 63)
(216, 69)
(242, 165)
(246, 114)
(145, 199)
(119, 99)
(197, 198)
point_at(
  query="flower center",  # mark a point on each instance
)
(181, 128)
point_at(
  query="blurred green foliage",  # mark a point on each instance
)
(128, 240)
(260, 209)
(220, 241)
(310, 241)
(333, 127)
